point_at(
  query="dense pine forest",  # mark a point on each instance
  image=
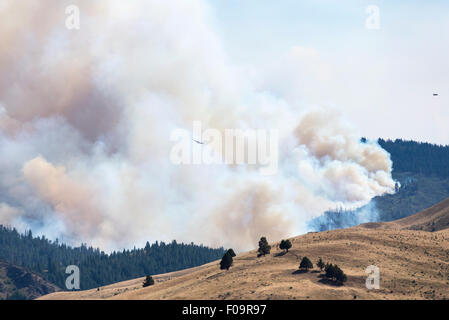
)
(50, 259)
(422, 170)
(418, 157)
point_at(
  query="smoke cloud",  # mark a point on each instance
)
(85, 123)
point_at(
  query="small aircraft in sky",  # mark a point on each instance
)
(435, 94)
(199, 142)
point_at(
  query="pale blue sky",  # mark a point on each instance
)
(382, 80)
(323, 24)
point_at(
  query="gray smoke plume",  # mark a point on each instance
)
(86, 116)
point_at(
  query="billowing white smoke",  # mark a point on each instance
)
(86, 117)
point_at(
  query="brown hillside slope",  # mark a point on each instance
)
(17, 281)
(432, 219)
(413, 265)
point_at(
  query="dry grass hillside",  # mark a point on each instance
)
(413, 265)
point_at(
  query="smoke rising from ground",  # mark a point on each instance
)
(86, 117)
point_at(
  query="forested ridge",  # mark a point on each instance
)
(50, 259)
(417, 157)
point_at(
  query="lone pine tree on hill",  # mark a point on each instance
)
(226, 261)
(264, 247)
(306, 264)
(285, 245)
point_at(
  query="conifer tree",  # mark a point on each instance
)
(264, 247)
(306, 264)
(320, 264)
(226, 261)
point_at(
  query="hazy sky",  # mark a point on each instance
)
(87, 115)
(315, 53)
(87, 141)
